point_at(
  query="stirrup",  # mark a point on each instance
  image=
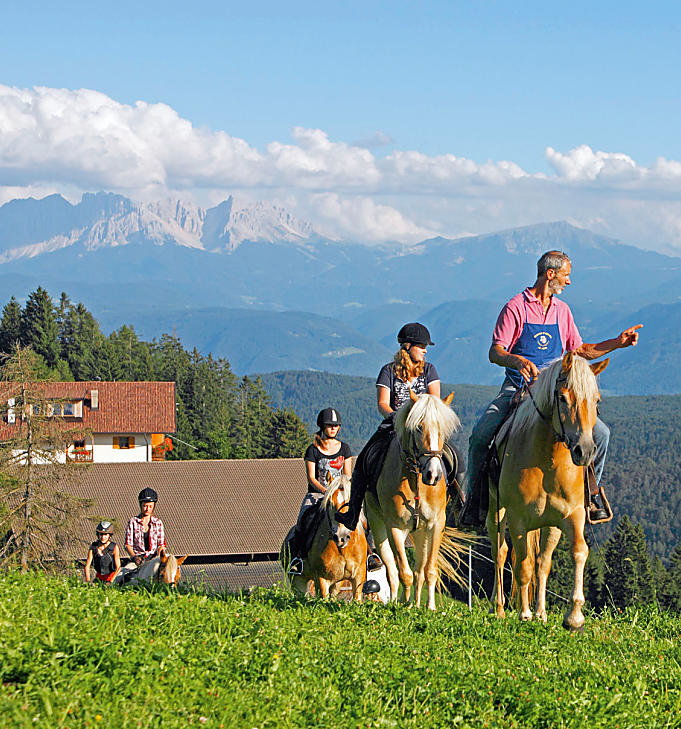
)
(595, 514)
(296, 566)
(374, 562)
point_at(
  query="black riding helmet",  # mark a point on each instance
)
(415, 333)
(146, 495)
(328, 416)
(104, 527)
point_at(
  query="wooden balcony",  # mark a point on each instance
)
(82, 455)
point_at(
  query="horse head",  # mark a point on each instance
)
(336, 499)
(169, 569)
(423, 425)
(576, 399)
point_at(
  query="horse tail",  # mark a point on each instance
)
(533, 540)
(453, 548)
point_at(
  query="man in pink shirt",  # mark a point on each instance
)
(534, 329)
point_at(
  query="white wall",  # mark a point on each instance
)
(104, 452)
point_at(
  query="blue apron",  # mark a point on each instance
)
(540, 343)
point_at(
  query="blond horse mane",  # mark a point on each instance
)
(428, 411)
(580, 380)
(339, 482)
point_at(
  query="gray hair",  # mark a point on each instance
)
(552, 259)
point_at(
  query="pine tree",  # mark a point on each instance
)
(628, 576)
(39, 517)
(39, 329)
(670, 592)
(289, 436)
(10, 326)
(81, 340)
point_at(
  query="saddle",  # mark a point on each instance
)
(300, 541)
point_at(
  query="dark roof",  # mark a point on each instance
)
(207, 507)
(124, 407)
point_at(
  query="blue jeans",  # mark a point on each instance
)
(491, 419)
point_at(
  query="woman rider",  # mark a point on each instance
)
(409, 371)
(325, 458)
(103, 555)
(144, 534)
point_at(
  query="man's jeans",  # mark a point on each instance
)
(491, 419)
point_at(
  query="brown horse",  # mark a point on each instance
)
(336, 553)
(411, 496)
(164, 568)
(541, 483)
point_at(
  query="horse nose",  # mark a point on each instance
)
(583, 454)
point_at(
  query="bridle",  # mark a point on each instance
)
(414, 461)
(562, 436)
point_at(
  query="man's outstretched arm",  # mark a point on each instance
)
(627, 338)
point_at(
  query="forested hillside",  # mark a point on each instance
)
(218, 414)
(642, 475)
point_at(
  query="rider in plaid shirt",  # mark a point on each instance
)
(145, 533)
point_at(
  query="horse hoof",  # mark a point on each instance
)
(568, 625)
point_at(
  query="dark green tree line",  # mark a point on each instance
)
(218, 414)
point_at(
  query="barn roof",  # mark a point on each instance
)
(243, 506)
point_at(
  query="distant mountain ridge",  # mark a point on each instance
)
(255, 285)
(32, 227)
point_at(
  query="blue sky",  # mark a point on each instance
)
(481, 81)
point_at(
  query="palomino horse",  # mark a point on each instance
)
(541, 483)
(411, 495)
(164, 568)
(336, 553)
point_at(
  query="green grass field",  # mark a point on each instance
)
(73, 655)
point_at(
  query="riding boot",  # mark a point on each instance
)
(358, 490)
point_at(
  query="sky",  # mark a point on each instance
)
(375, 121)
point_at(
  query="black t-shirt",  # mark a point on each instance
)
(324, 463)
(104, 562)
(399, 391)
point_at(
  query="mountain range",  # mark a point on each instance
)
(250, 282)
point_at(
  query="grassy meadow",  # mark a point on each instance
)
(75, 655)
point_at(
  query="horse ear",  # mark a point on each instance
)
(329, 477)
(163, 554)
(598, 367)
(180, 560)
(567, 361)
(449, 398)
(412, 396)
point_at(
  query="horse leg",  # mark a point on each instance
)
(420, 539)
(574, 619)
(523, 568)
(382, 543)
(497, 539)
(397, 539)
(550, 536)
(323, 587)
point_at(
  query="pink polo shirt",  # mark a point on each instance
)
(512, 319)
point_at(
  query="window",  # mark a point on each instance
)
(123, 441)
(63, 409)
(79, 444)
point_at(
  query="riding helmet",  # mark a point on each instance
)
(328, 416)
(414, 333)
(147, 495)
(104, 527)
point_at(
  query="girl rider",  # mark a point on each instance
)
(326, 456)
(144, 533)
(103, 554)
(409, 371)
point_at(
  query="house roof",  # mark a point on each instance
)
(124, 407)
(207, 507)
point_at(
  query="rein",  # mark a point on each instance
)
(560, 437)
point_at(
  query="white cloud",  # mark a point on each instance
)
(65, 140)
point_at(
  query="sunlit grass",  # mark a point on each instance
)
(73, 655)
